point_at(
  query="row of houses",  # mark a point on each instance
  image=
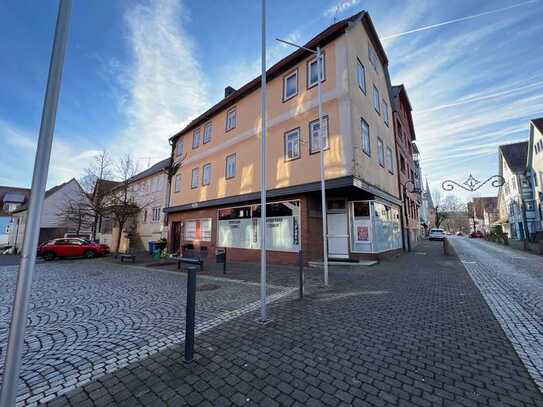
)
(206, 194)
(520, 211)
(517, 210)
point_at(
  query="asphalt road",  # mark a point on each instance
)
(512, 283)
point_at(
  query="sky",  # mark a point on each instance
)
(137, 71)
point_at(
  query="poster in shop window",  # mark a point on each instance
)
(362, 230)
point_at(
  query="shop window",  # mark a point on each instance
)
(198, 230)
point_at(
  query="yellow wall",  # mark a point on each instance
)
(342, 104)
(361, 106)
(244, 141)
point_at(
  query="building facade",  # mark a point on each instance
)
(215, 192)
(535, 166)
(54, 223)
(408, 171)
(11, 199)
(483, 213)
(150, 191)
(518, 215)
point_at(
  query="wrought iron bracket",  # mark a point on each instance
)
(472, 184)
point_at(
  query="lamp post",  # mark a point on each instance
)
(318, 54)
(39, 180)
(263, 173)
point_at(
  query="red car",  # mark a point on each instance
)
(71, 247)
(477, 235)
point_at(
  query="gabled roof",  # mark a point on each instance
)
(321, 39)
(538, 123)
(515, 155)
(12, 195)
(154, 169)
(103, 186)
(48, 193)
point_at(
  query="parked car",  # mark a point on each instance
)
(72, 248)
(477, 235)
(436, 234)
(459, 234)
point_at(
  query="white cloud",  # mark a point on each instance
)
(164, 86)
(340, 7)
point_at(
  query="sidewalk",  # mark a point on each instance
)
(413, 331)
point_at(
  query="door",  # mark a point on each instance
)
(176, 237)
(338, 235)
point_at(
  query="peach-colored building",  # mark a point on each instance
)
(214, 198)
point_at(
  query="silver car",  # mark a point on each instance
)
(436, 234)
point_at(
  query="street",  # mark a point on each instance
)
(413, 330)
(512, 283)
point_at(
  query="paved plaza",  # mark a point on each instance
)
(88, 318)
(411, 331)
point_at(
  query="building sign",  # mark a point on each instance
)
(240, 227)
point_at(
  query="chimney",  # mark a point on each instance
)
(228, 91)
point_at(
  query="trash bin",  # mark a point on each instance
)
(152, 247)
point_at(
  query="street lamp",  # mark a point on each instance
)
(317, 52)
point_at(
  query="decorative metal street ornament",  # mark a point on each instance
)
(472, 184)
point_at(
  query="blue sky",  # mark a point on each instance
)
(136, 71)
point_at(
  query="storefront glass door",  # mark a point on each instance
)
(338, 235)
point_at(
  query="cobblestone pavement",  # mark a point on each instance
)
(512, 283)
(414, 331)
(88, 318)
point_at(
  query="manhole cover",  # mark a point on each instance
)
(208, 287)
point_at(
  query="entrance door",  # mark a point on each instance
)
(338, 236)
(176, 236)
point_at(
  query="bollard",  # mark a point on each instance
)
(224, 263)
(190, 313)
(301, 270)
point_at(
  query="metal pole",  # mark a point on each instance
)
(190, 313)
(263, 174)
(323, 185)
(39, 179)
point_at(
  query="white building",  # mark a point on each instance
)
(11, 199)
(535, 165)
(517, 209)
(53, 221)
(150, 190)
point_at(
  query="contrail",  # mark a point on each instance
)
(456, 20)
(483, 97)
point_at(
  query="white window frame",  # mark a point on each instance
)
(231, 119)
(389, 160)
(206, 180)
(228, 160)
(208, 129)
(285, 88)
(310, 63)
(380, 152)
(179, 148)
(295, 143)
(312, 145)
(177, 183)
(196, 138)
(194, 178)
(363, 137)
(209, 223)
(376, 97)
(361, 76)
(155, 214)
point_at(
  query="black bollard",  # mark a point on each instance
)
(301, 269)
(190, 313)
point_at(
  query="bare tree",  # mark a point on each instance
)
(78, 214)
(96, 183)
(120, 203)
(452, 214)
